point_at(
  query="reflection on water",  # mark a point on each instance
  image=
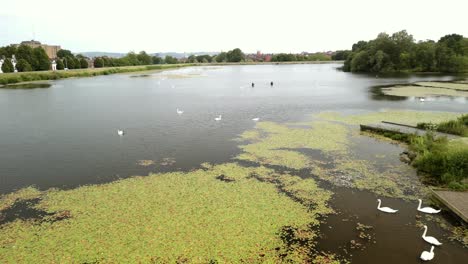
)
(32, 85)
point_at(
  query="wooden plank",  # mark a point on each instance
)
(457, 202)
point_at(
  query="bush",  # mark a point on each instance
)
(445, 162)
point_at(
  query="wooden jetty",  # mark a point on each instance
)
(457, 202)
(385, 126)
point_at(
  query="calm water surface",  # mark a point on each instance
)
(66, 135)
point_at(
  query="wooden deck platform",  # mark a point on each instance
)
(457, 202)
(402, 129)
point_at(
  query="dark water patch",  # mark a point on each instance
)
(26, 86)
(224, 178)
(377, 94)
(140, 76)
(397, 238)
(23, 210)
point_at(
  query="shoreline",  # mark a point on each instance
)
(35, 76)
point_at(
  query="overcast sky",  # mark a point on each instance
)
(217, 25)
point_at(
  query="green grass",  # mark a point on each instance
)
(444, 161)
(168, 217)
(458, 126)
(9, 78)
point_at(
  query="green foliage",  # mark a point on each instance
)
(83, 63)
(444, 161)
(98, 63)
(144, 59)
(41, 60)
(7, 66)
(235, 55)
(455, 127)
(341, 55)
(156, 60)
(63, 53)
(23, 65)
(60, 65)
(221, 57)
(399, 52)
(204, 58)
(170, 60)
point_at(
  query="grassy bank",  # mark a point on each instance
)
(10, 78)
(455, 127)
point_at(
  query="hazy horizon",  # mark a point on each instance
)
(210, 26)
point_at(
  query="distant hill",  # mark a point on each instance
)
(160, 54)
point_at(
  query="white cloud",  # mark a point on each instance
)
(213, 25)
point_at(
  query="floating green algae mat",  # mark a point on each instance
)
(398, 116)
(426, 89)
(421, 91)
(331, 135)
(167, 217)
(447, 85)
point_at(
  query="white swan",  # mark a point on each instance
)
(218, 118)
(427, 210)
(120, 132)
(255, 119)
(425, 255)
(385, 209)
(179, 112)
(422, 99)
(429, 239)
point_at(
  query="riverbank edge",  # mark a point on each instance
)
(27, 77)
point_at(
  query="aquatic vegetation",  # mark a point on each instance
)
(23, 194)
(145, 163)
(29, 85)
(170, 216)
(447, 85)
(277, 146)
(420, 91)
(286, 145)
(399, 116)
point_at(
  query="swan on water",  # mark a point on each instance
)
(385, 209)
(120, 132)
(427, 210)
(255, 119)
(422, 99)
(179, 111)
(425, 255)
(218, 118)
(429, 239)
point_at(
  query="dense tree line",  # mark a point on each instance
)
(27, 58)
(400, 52)
(300, 57)
(66, 59)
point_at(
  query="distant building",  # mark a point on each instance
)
(51, 50)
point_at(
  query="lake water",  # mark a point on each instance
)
(66, 135)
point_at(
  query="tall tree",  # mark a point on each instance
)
(98, 63)
(23, 65)
(235, 55)
(41, 60)
(7, 66)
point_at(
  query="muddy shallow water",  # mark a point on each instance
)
(66, 136)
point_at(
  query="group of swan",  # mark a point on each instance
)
(218, 118)
(425, 255)
(120, 132)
